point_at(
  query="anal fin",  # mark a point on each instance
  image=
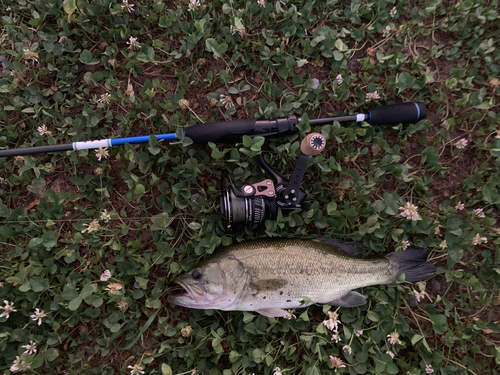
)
(351, 299)
(273, 312)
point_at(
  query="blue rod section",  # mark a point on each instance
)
(142, 139)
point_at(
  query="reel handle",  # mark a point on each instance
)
(313, 144)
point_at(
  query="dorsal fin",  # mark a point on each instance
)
(349, 247)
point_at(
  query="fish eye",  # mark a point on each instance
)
(196, 275)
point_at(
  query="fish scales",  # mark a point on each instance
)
(310, 269)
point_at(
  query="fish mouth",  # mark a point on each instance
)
(190, 296)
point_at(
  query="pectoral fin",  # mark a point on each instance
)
(267, 285)
(272, 312)
(351, 299)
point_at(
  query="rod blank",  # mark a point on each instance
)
(232, 131)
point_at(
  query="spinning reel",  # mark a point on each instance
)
(260, 201)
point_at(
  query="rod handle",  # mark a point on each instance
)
(233, 131)
(406, 113)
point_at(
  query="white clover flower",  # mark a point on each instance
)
(462, 143)
(393, 12)
(387, 31)
(405, 244)
(38, 315)
(30, 348)
(94, 226)
(460, 206)
(333, 322)
(479, 212)
(126, 6)
(105, 275)
(136, 369)
(7, 309)
(315, 83)
(19, 365)
(193, 5)
(429, 369)
(347, 349)
(105, 216)
(183, 103)
(410, 212)
(394, 338)
(277, 371)
(339, 79)
(133, 43)
(186, 331)
(43, 130)
(336, 363)
(358, 332)
(262, 3)
(114, 287)
(419, 295)
(443, 245)
(372, 95)
(122, 305)
(105, 98)
(336, 337)
(226, 101)
(102, 152)
(478, 240)
(30, 55)
(390, 353)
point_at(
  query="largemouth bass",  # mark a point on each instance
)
(269, 276)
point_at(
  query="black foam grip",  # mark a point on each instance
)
(405, 113)
(36, 150)
(226, 131)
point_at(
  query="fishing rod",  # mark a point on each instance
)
(232, 131)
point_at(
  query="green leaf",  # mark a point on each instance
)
(217, 49)
(139, 189)
(373, 316)
(75, 303)
(87, 58)
(440, 325)
(69, 7)
(416, 338)
(69, 293)
(391, 368)
(52, 353)
(88, 290)
(430, 155)
(166, 369)
(37, 185)
(313, 371)
(37, 361)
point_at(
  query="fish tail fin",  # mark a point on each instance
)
(413, 264)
